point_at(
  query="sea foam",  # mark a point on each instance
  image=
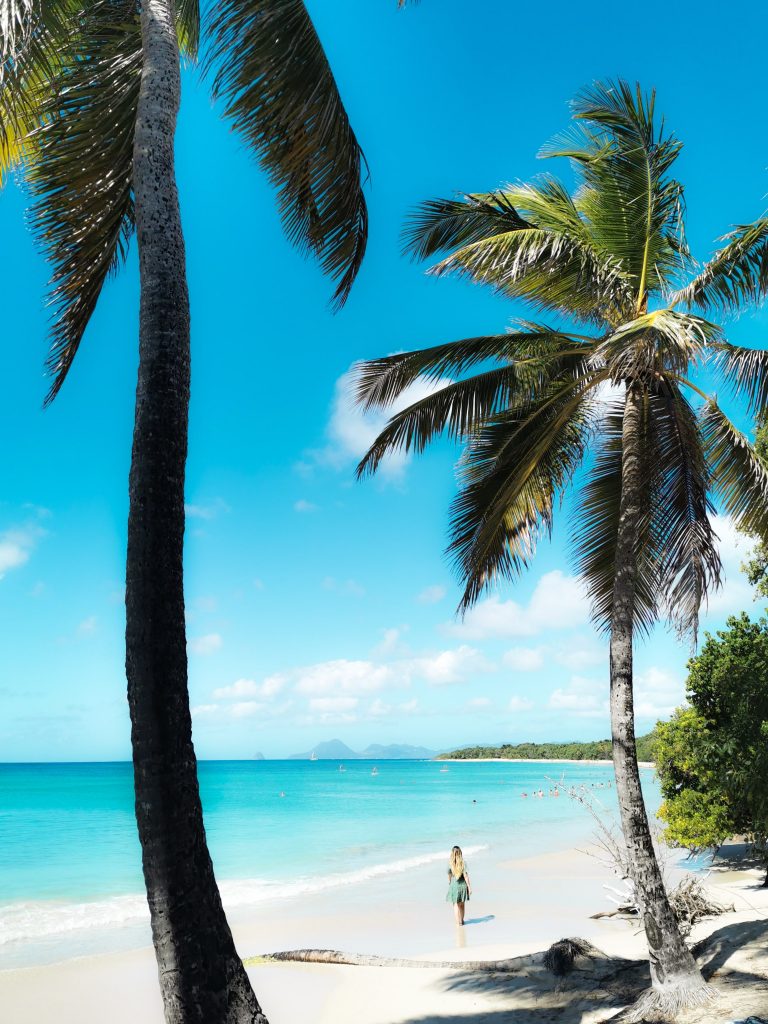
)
(35, 920)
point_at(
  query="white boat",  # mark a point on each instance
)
(342, 768)
(375, 770)
(313, 756)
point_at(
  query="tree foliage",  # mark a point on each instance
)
(592, 750)
(628, 312)
(712, 757)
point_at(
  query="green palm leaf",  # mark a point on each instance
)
(632, 204)
(380, 381)
(595, 523)
(512, 471)
(81, 181)
(662, 340)
(745, 370)
(32, 35)
(271, 72)
(684, 542)
(441, 224)
(737, 274)
(739, 476)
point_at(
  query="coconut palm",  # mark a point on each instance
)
(604, 403)
(89, 94)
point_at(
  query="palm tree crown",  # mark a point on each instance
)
(610, 262)
(69, 92)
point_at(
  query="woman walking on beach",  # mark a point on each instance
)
(459, 887)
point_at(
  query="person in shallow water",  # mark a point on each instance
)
(459, 887)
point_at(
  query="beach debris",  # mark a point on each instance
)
(692, 903)
(560, 957)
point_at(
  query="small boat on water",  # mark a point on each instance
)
(375, 770)
(342, 768)
(445, 769)
(313, 756)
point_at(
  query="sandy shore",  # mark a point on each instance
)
(519, 906)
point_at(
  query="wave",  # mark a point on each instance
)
(35, 920)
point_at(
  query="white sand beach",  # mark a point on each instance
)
(519, 906)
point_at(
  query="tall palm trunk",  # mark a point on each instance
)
(202, 978)
(676, 979)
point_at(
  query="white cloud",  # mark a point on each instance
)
(380, 709)
(582, 697)
(16, 546)
(524, 659)
(453, 666)
(269, 687)
(351, 431)
(302, 505)
(343, 676)
(247, 708)
(519, 704)
(431, 595)
(558, 602)
(204, 645)
(479, 702)
(657, 693)
(87, 626)
(204, 710)
(209, 511)
(391, 642)
(736, 594)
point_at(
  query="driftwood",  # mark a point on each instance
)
(689, 900)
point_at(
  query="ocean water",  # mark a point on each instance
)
(70, 866)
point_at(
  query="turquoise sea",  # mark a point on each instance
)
(70, 865)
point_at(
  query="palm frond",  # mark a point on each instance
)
(662, 340)
(739, 477)
(634, 207)
(271, 72)
(737, 274)
(32, 35)
(684, 544)
(745, 371)
(188, 27)
(454, 409)
(82, 214)
(512, 472)
(555, 272)
(441, 224)
(380, 381)
(595, 525)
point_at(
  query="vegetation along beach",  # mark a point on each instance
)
(384, 516)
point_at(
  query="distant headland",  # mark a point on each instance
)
(335, 750)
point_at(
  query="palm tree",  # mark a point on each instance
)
(604, 404)
(89, 94)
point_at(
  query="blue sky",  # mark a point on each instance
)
(317, 606)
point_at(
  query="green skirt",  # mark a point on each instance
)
(458, 891)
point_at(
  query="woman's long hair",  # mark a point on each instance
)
(456, 862)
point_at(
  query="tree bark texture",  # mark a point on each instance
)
(202, 979)
(675, 977)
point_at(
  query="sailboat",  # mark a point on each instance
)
(375, 770)
(313, 756)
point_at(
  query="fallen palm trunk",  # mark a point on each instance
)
(560, 959)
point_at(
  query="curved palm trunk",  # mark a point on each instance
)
(676, 979)
(202, 978)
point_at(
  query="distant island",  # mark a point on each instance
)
(592, 750)
(335, 750)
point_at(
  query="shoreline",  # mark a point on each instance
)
(520, 906)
